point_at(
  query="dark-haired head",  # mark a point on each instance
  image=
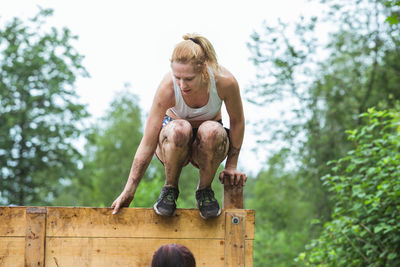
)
(173, 255)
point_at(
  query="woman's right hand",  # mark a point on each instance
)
(122, 201)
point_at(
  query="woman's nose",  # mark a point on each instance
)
(182, 84)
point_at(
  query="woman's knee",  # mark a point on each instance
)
(211, 143)
(213, 131)
(179, 132)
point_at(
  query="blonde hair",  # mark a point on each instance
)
(197, 50)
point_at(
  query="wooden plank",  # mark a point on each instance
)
(60, 250)
(12, 221)
(125, 251)
(233, 195)
(133, 222)
(35, 236)
(11, 251)
(249, 253)
(250, 223)
(99, 237)
(235, 238)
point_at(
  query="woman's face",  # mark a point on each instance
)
(187, 79)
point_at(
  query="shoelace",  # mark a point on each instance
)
(170, 194)
(206, 196)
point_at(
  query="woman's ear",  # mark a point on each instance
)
(204, 72)
(204, 69)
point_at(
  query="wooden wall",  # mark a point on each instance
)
(61, 236)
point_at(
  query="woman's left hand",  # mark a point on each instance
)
(235, 177)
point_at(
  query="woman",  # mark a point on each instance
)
(184, 126)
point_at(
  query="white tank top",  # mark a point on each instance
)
(206, 112)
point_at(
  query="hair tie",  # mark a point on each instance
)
(199, 44)
(194, 41)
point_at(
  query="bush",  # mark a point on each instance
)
(365, 225)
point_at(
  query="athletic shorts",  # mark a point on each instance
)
(168, 119)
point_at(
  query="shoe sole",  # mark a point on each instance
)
(160, 213)
(205, 218)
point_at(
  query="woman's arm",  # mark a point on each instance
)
(231, 95)
(163, 99)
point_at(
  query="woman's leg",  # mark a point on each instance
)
(173, 149)
(208, 150)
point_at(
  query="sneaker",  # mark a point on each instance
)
(165, 205)
(207, 204)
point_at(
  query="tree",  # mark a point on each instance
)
(320, 86)
(188, 182)
(323, 86)
(281, 210)
(112, 143)
(39, 115)
(365, 230)
(393, 17)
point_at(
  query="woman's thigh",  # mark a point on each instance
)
(211, 141)
(178, 132)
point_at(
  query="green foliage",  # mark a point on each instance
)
(112, 144)
(365, 229)
(39, 114)
(188, 182)
(283, 214)
(150, 186)
(395, 8)
(318, 86)
(109, 153)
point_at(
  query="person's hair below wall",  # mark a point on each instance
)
(173, 255)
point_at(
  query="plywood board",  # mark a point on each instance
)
(235, 222)
(125, 251)
(12, 221)
(135, 222)
(35, 236)
(12, 251)
(95, 237)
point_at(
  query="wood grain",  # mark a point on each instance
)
(70, 236)
(35, 236)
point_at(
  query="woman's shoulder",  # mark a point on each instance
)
(165, 92)
(225, 80)
(167, 82)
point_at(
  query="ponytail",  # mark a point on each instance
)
(197, 50)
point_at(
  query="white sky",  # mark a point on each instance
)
(132, 41)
